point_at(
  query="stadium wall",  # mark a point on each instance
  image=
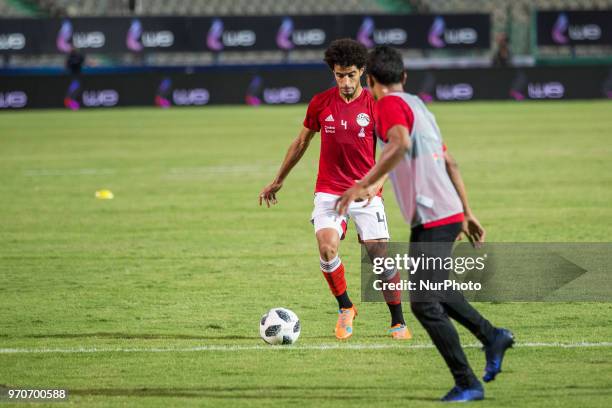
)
(281, 86)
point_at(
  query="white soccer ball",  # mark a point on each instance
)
(279, 326)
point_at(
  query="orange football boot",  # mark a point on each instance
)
(400, 332)
(344, 326)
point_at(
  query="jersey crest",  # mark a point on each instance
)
(363, 119)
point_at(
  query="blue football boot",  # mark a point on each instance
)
(460, 394)
(494, 353)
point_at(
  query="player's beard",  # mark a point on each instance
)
(349, 92)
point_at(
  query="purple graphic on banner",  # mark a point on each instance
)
(427, 88)
(163, 92)
(67, 39)
(283, 37)
(364, 35)
(425, 97)
(64, 37)
(132, 39)
(518, 96)
(214, 37)
(70, 100)
(518, 87)
(436, 32)
(254, 89)
(560, 28)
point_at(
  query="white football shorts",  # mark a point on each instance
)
(370, 221)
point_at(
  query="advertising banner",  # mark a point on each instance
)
(559, 28)
(453, 31)
(276, 86)
(218, 34)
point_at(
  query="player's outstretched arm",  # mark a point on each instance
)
(296, 150)
(397, 146)
(471, 226)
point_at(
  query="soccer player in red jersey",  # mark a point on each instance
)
(343, 114)
(431, 194)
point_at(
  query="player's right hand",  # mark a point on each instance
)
(268, 194)
(370, 192)
(369, 195)
(472, 229)
(350, 195)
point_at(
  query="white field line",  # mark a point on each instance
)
(332, 346)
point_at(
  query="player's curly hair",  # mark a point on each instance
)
(385, 64)
(346, 53)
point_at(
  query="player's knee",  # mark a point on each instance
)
(426, 309)
(377, 248)
(328, 251)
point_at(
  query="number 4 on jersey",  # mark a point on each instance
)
(343, 124)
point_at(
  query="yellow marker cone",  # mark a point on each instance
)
(104, 195)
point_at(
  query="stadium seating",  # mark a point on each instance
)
(211, 7)
(9, 10)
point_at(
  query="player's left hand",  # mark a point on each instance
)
(473, 231)
(350, 195)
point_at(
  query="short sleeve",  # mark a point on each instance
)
(392, 111)
(312, 115)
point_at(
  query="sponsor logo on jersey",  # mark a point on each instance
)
(330, 129)
(363, 119)
(330, 118)
(362, 133)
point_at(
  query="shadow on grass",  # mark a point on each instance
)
(136, 336)
(162, 336)
(280, 392)
(323, 392)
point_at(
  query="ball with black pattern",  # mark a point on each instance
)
(279, 326)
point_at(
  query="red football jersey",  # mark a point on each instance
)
(348, 144)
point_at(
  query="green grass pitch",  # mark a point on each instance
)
(183, 258)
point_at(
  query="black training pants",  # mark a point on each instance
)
(433, 310)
